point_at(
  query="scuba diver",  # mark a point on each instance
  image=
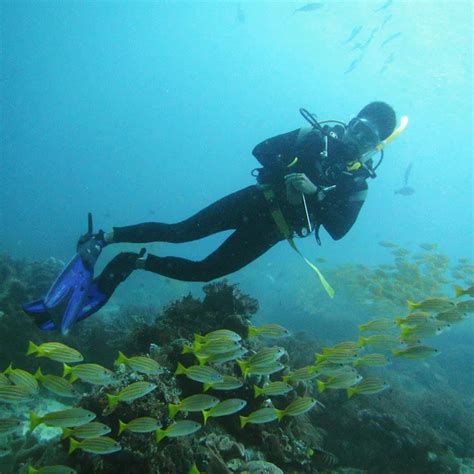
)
(311, 177)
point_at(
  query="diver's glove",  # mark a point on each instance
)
(90, 245)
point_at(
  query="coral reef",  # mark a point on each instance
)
(421, 424)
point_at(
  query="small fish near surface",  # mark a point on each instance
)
(309, 7)
(390, 39)
(384, 6)
(405, 191)
(355, 31)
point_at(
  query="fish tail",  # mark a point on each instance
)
(67, 370)
(406, 331)
(399, 321)
(243, 366)
(113, 400)
(321, 386)
(38, 375)
(206, 387)
(350, 392)
(243, 421)
(32, 470)
(160, 434)
(66, 433)
(280, 414)
(32, 348)
(9, 369)
(412, 305)
(172, 410)
(187, 349)
(362, 327)
(73, 445)
(252, 331)
(459, 291)
(320, 358)
(199, 338)
(122, 427)
(201, 359)
(181, 369)
(35, 420)
(121, 359)
(286, 378)
(362, 341)
(257, 391)
(206, 415)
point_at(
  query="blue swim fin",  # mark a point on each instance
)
(63, 303)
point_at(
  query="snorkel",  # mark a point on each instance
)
(379, 148)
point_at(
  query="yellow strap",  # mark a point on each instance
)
(282, 225)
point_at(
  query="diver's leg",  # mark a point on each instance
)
(102, 287)
(230, 212)
(242, 247)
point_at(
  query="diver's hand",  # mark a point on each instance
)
(297, 184)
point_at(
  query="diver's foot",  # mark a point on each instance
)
(118, 270)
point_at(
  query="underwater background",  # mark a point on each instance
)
(148, 111)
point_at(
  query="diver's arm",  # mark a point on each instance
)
(276, 151)
(340, 208)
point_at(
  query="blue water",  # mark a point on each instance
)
(142, 111)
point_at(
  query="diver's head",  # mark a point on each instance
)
(373, 124)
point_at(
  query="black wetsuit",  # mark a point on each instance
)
(247, 212)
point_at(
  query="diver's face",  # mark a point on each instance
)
(361, 136)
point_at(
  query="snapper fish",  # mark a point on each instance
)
(464, 291)
(131, 392)
(368, 386)
(268, 330)
(177, 429)
(55, 351)
(465, 306)
(261, 416)
(417, 352)
(100, 445)
(144, 424)
(224, 408)
(431, 304)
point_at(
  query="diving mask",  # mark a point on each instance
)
(361, 133)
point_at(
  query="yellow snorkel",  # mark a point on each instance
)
(379, 148)
(398, 131)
